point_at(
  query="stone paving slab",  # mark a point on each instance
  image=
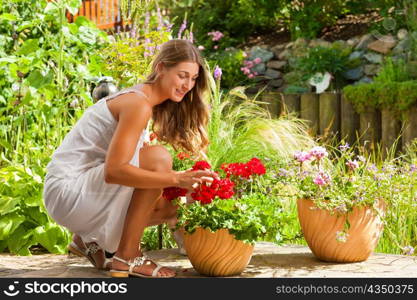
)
(268, 261)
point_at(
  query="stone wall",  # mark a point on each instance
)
(271, 65)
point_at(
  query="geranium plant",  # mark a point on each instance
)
(221, 204)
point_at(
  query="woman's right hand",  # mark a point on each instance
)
(192, 179)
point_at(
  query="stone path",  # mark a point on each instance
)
(268, 261)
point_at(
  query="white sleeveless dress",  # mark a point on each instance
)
(75, 193)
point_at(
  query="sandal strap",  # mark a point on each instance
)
(138, 261)
(92, 248)
(156, 270)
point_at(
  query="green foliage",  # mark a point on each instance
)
(240, 129)
(393, 71)
(334, 60)
(396, 96)
(24, 221)
(230, 61)
(129, 59)
(47, 68)
(225, 16)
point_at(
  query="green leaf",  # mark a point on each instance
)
(28, 47)
(5, 144)
(8, 17)
(53, 237)
(3, 245)
(9, 223)
(51, 7)
(73, 6)
(37, 80)
(8, 60)
(21, 241)
(8, 204)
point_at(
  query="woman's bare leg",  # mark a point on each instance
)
(142, 205)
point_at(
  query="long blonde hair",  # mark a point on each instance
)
(182, 125)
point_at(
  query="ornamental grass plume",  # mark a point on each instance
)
(240, 128)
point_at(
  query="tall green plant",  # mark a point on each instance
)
(240, 129)
(47, 68)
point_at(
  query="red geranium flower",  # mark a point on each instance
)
(201, 165)
(171, 193)
(256, 167)
(183, 155)
(222, 188)
(245, 170)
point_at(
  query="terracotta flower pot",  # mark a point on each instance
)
(217, 253)
(320, 228)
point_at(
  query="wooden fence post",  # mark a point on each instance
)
(410, 126)
(370, 127)
(390, 130)
(273, 103)
(309, 110)
(290, 103)
(329, 106)
(349, 121)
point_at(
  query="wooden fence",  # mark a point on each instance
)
(104, 13)
(330, 115)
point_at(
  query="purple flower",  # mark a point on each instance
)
(217, 73)
(216, 35)
(408, 250)
(352, 164)
(344, 147)
(318, 152)
(322, 179)
(147, 17)
(283, 172)
(413, 168)
(302, 156)
(342, 209)
(182, 28)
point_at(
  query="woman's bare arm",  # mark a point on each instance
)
(133, 117)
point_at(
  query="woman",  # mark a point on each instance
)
(105, 184)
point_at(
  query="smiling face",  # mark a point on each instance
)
(178, 80)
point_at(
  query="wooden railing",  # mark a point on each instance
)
(105, 13)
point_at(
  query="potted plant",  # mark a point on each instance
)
(341, 202)
(220, 224)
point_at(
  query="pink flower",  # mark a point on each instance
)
(352, 164)
(248, 63)
(257, 60)
(322, 179)
(244, 54)
(318, 152)
(216, 47)
(201, 48)
(302, 156)
(251, 75)
(216, 35)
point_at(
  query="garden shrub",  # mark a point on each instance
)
(396, 96)
(47, 69)
(230, 61)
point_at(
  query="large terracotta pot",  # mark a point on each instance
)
(217, 253)
(320, 227)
